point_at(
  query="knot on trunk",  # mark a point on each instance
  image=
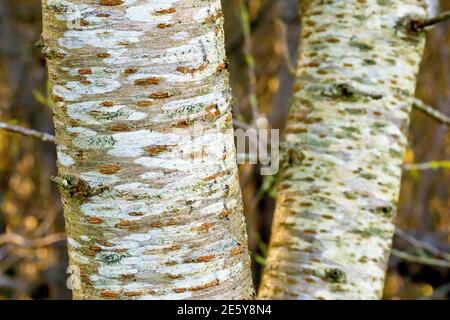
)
(76, 188)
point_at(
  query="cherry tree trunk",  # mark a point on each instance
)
(147, 165)
(343, 150)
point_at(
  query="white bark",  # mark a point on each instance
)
(150, 213)
(343, 152)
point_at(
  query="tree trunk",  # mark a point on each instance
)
(343, 150)
(147, 165)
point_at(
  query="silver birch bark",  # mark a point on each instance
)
(343, 150)
(147, 165)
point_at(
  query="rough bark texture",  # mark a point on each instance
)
(152, 206)
(343, 150)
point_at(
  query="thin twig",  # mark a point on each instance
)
(287, 58)
(18, 240)
(241, 125)
(422, 260)
(432, 165)
(436, 114)
(421, 244)
(27, 132)
(432, 21)
(249, 58)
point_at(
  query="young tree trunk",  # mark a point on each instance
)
(147, 165)
(343, 150)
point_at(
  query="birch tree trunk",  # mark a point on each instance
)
(147, 165)
(343, 150)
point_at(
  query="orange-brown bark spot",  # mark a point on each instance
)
(109, 294)
(203, 228)
(225, 214)
(186, 70)
(160, 95)
(136, 214)
(133, 293)
(144, 103)
(95, 248)
(119, 127)
(127, 277)
(127, 224)
(205, 258)
(179, 290)
(332, 40)
(107, 104)
(221, 67)
(108, 169)
(111, 2)
(84, 71)
(163, 25)
(156, 150)
(165, 11)
(147, 81)
(105, 243)
(175, 276)
(157, 224)
(130, 70)
(205, 286)
(213, 18)
(236, 250)
(103, 55)
(94, 220)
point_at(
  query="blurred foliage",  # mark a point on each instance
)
(30, 206)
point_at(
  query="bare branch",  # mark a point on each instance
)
(287, 58)
(436, 114)
(416, 25)
(432, 165)
(250, 59)
(18, 240)
(422, 260)
(421, 244)
(241, 125)
(27, 132)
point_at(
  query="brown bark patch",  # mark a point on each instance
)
(136, 214)
(206, 258)
(163, 25)
(213, 18)
(118, 127)
(160, 95)
(236, 250)
(203, 228)
(111, 2)
(109, 294)
(107, 104)
(130, 70)
(205, 286)
(165, 11)
(144, 103)
(103, 55)
(84, 71)
(147, 81)
(108, 169)
(133, 293)
(94, 220)
(156, 150)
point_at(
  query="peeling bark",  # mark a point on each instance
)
(147, 165)
(343, 151)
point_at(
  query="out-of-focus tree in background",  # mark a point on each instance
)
(33, 260)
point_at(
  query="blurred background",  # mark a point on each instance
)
(262, 44)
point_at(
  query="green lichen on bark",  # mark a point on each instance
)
(147, 165)
(350, 110)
